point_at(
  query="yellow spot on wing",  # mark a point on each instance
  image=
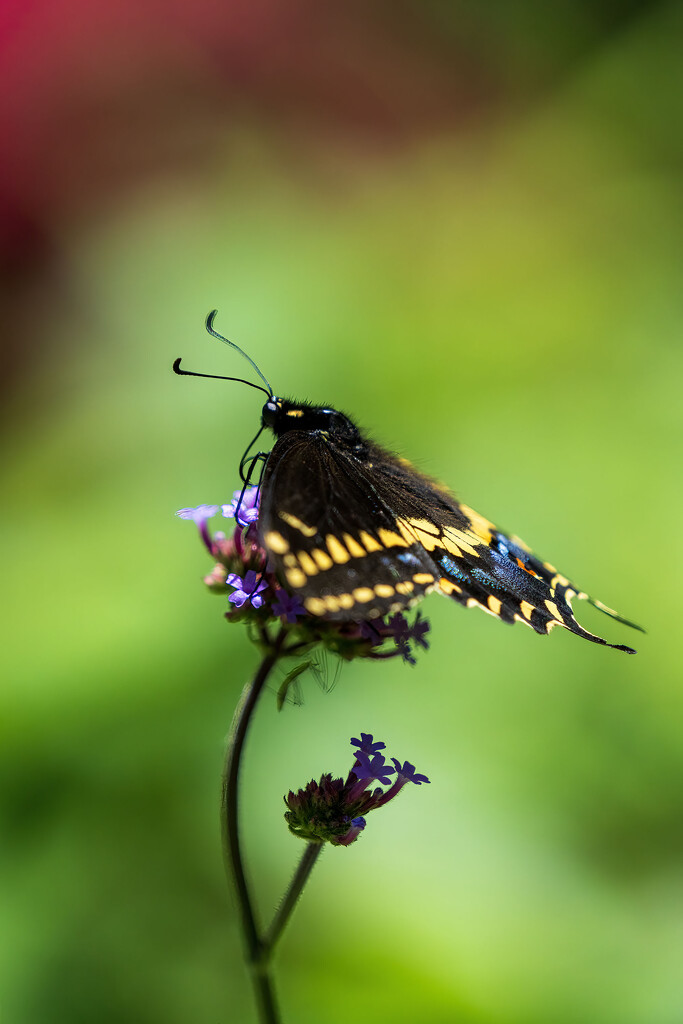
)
(558, 578)
(526, 609)
(337, 550)
(494, 604)
(390, 539)
(427, 538)
(370, 543)
(552, 608)
(274, 541)
(405, 587)
(363, 594)
(448, 587)
(424, 526)
(346, 600)
(315, 605)
(481, 526)
(451, 548)
(322, 559)
(296, 578)
(423, 577)
(297, 524)
(354, 547)
(331, 603)
(461, 539)
(307, 564)
(384, 590)
(407, 533)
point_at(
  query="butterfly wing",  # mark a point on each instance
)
(362, 534)
(332, 535)
(482, 566)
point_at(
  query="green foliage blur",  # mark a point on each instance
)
(501, 304)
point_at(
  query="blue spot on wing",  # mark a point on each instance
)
(408, 559)
(485, 579)
(453, 569)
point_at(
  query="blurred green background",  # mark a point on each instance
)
(461, 224)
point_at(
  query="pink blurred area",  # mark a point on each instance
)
(97, 95)
(100, 98)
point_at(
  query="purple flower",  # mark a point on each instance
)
(248, 589)
(404, 775)
(407, 772)
(366, 744)
(287, 605)
(369, 631)
(403, 633)
(333, 810)
(248, 507)
(251, 578)
(368, 769)
(419, 631)
(199, 514)
(399, 627)
(357, 826)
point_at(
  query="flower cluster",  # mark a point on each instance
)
(255, 594)
(333, 810)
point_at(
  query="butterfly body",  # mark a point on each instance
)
(357, 532)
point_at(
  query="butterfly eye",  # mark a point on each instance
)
(269, 413)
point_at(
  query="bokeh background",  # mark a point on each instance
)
(461, 224)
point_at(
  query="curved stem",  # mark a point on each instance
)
(232, 852)
(294, 890)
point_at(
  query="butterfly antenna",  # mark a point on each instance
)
(213, 376)
(209, 326)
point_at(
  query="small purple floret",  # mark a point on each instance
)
(366, 744)
(407, 772)
(199, 514)
(420, 630)
(370, 632)
(403, 633)
(372, 768)
(287, 605)
(248, 507)
(248, 589)
(357, 826)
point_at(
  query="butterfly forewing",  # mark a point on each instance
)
(333, 536)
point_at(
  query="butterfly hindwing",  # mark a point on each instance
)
(481, 566)
(357, 533)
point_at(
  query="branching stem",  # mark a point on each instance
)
(257, 962)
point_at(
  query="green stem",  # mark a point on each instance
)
(232, 852)
(294, 890)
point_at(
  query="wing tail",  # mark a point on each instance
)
(612, 614)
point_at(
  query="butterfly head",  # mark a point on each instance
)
(282, 415)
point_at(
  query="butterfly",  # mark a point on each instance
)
(357, 533)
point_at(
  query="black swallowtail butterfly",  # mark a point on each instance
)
(357, 532)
